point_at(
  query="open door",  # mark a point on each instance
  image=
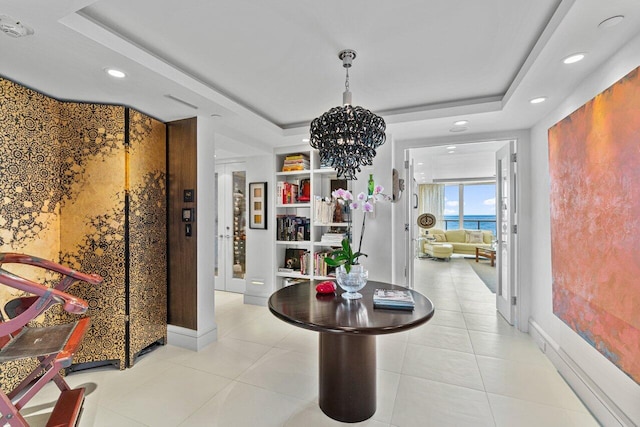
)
(507, 228)
(409, 223)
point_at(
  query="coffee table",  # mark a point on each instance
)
(486, 253)
(348, 329)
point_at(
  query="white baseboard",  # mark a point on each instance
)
(596, 400)
(189, 338)
(255, 300)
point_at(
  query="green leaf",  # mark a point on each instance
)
(333, 262)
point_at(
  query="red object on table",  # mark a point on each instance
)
(326, 287)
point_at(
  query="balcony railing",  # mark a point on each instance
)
(471, 224)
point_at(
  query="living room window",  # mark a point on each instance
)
(470, 204)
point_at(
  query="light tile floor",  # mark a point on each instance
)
(466, 367)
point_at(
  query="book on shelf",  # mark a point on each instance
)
(333, 238)
(298, 156)
(287, 192)
(305, 191)
(298, 260)
(293, 228)
(320, 268)
(295, 162)
(393, 298)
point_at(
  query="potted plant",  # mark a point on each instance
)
(350, 274)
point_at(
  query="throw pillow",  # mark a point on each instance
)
(474, 237)
(440, 237)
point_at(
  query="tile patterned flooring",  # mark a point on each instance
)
(466, 367)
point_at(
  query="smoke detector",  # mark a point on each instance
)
(14, 28)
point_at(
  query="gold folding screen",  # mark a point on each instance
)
(84, 184)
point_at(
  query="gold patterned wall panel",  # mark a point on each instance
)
(30, 191)
(147, 233)
(63, 197)
(92, 226)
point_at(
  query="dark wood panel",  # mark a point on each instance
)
(182, 250)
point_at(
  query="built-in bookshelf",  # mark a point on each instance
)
(308, 226)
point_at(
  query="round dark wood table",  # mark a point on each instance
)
(348, 329)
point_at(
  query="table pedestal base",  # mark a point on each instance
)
(347, 376)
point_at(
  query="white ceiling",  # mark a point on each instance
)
(265, 69)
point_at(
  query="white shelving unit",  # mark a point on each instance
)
(320, 185)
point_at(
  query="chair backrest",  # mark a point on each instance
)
(22, 310)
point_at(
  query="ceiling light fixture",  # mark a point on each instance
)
(538, 100)
(13, 27)
(115, 73)
(611, 22)
(305, 139)
(461, 123)
(451, 147)
(576, 57)
(451, 152)
(346, 136)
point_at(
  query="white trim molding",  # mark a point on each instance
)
(594, 398)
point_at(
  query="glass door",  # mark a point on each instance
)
(231, 227)
(507, 232)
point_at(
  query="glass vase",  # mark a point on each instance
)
(353, 281)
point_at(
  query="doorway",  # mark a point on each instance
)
(467, 186)
(230, 224)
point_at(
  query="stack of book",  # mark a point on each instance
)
(295, 162)
(393, 298)
(332, 239)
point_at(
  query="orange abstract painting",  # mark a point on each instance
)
(594, 163)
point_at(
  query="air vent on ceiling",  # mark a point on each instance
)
(195, 107)
(14, 28)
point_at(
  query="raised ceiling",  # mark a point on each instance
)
(265, 69)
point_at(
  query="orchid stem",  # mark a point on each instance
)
(364, 217)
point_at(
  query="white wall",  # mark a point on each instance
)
(260, 243)
(617, 388)
(207, 329)
(377, 238)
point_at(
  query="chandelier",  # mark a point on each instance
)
(346, 136)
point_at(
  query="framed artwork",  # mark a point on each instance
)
(258, 205)
(594, 166)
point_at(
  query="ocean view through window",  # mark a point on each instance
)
(474, 204)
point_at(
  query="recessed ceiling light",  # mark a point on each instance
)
(538, 100)
(451, 152)
(451, 147)
(461, 123)
(576, 57)
(305, 139)
(420, 164)
(458, 129)
(611, 22)
(115, 73)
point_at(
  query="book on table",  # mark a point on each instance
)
(393, 298)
